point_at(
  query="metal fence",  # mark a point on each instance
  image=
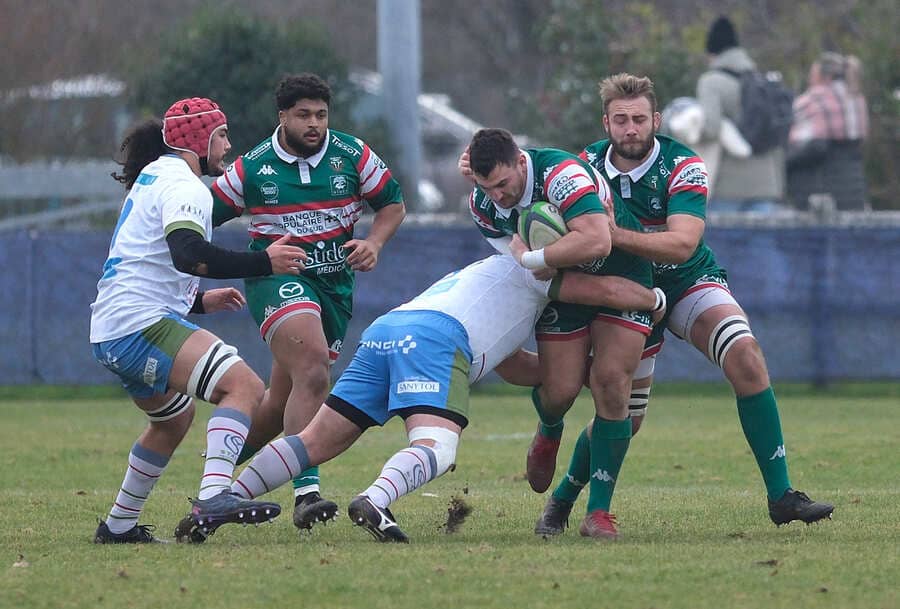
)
(824, 300)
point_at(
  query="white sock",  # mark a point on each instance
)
(144, 469)
(278, 462)
(403, 473)
(225, 435)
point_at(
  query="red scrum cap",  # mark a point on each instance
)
(189, 125)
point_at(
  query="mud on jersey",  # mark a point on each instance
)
(575, 188)
(317, 200)
(673, 180)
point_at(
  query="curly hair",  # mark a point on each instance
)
(295, 87)
(143, 144)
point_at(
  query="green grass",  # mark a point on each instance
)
(690, 503)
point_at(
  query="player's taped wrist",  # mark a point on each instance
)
(198, 307)
(660, 300)
(534, 260)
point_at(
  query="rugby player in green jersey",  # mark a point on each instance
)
(309, 182)
(664, 184)
(508, 181)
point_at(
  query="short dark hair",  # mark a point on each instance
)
(492, 147)
(295, 87)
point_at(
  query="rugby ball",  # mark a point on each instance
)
(541, 224)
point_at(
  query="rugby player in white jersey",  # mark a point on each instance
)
(150, 282)
(417, 361)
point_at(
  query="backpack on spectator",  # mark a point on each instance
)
(766, 110)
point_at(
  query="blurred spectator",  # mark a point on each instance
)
(825, 161)
(683, 119)
(755, 183)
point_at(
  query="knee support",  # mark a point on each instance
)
(640, 396)
(445, 443)
(637, 403)
(210, 369)
(174, 407)
(723, 337)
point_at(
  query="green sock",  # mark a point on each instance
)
(762, 428)
(579, 470)
(609, 443)
(551, 425)
(246, 453)
(308, 477)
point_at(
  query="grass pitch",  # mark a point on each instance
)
(690, 504)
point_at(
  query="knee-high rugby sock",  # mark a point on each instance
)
(609, 443)
(247, 453)
(225, 435)
(579, 470)
(278, 461)
(144, 469)
(551, 425)
(306, 482)
(403, 473)
(762, 428)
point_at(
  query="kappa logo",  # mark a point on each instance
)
(336, 162)
(779, 453)
(573, 481)
(603, 476)
(111, 361)
(266, 170)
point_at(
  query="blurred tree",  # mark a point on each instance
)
(237, 60)
(591, 41)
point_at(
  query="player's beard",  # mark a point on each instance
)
(299, 146)
(633, 149)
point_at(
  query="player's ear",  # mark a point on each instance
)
(657, 120)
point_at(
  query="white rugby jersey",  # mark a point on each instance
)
(140, 284)
(497, 302)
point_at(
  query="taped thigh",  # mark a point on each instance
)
(445, 443)
(694, 304)
(210, 369)
(174, 407)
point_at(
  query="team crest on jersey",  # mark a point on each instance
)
(269, 192)
(340, 186)
(656, 208)
(336, 162)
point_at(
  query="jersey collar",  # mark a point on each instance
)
(638, 172)
(525, 202)
(287, 157)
